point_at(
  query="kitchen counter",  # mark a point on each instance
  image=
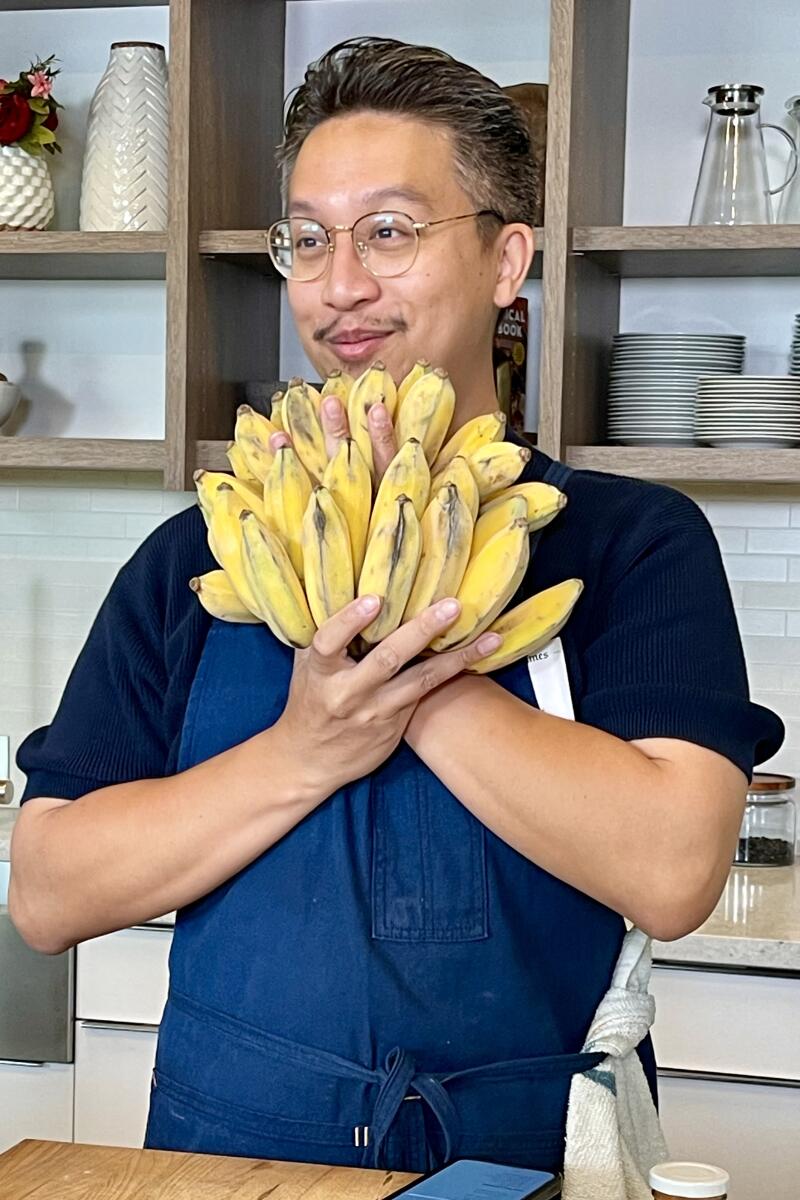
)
(756, 924)
(7, 818)
(61, 1171)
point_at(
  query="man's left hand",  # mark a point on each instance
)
(336, 428)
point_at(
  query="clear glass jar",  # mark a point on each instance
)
(673, 1180)
(767, 835)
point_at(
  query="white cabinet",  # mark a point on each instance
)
(113, 1066)
(124, 976)
(750, 1130)
(35, 1102)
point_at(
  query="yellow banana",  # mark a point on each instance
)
(239, 466)
(301, 417)
(252, 434)
(390, 565)
(373, 385)
(216, 594)
(420, 368)
(490, 581)
(286, 492)
(327, 558)
(207, 482)
(348, 480)
(276, 415)
(406, 475)
(339, 384)
(497, 466)
(458, 472)
(446, 540)
(480, 431)
(271, 577)
(543, 501)
(427, 412)
(531, 625)
(225, 541)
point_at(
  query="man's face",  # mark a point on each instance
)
(442, 308)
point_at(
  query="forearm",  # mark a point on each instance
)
(586, 806)
(124, 854)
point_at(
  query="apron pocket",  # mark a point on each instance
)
(428, 860)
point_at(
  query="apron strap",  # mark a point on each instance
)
(402, 1076)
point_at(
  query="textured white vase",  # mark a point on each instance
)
(26, 190)
(125, 165)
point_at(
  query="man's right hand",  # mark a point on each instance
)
(344, 718)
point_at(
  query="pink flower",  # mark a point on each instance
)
(42, 86)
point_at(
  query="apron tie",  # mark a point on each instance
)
(402, 1077)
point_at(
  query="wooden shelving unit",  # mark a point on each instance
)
(671, 251)
(690, 464)
(78, 255)
(103, 454)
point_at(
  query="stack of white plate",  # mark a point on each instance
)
(651, 393)
(743, 411)
(794, 368)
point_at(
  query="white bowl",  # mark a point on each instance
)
(9, 399)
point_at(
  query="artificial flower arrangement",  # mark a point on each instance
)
(28, 111)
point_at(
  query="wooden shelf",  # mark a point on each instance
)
(107, 454)
(635, 252)
(690, 463)
(246, 248)
(74, 254)
(44, 5)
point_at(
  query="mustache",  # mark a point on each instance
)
(394, 325)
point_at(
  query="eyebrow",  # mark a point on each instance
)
(307, 208)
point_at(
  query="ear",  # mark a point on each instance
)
(515, 247)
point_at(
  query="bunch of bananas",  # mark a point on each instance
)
(298, 536)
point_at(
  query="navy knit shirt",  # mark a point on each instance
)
(652, 648)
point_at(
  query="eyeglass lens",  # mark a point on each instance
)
(386, 242)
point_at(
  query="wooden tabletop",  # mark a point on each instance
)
(62, 1171)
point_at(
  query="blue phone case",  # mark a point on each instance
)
(470, 1179)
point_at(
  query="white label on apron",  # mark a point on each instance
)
(548, 671)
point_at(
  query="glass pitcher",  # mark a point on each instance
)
(733, 184)
(789, 211)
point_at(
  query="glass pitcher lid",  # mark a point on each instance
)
(735, 99)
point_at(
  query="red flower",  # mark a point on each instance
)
(51, 121)
(16, 118)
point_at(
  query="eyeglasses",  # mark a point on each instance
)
(386, 242)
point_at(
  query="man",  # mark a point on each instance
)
(396, 882)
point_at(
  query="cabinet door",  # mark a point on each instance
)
(124, 976)
(749, 1129)
(113, 1065)
(35, 1102)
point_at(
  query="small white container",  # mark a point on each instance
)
(676, 1180)
(9, 399)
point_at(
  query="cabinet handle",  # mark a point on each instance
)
(14, 1062)
(116, 1026)
(727, 1077)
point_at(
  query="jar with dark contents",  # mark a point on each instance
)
(767, 835)
(677, 1180)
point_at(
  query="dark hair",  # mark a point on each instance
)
(490, 138)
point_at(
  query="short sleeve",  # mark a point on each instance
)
(666, 657)
(121, 711)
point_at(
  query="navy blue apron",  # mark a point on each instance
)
(389, 985)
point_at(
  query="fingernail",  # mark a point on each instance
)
(381, 414)
(331, 406)
(489, 642)
(448, 608)
(368, 604)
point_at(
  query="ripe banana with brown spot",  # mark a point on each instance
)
(276, 413)
(373, 385)
(420, 368)
(458, 472)
(301, 417)
(497, 467)
(480, 431)
(544, 502)
(426, 412)
(216, 593)
(490, 581)
(446, 542)
(406, 475)
(252, 434)
(530, 625)
(327, 557)
(225, 541)
(279, 595)
(348, 480)
(339, 384)
(286, 492)
(207, 483)
(239, 466)
(390, 566)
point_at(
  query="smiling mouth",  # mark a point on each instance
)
(353, 347)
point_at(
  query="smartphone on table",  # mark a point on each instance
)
(470, 1179)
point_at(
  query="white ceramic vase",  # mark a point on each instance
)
(125, 165)
(26, 190)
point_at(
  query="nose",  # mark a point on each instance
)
(347, 282)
